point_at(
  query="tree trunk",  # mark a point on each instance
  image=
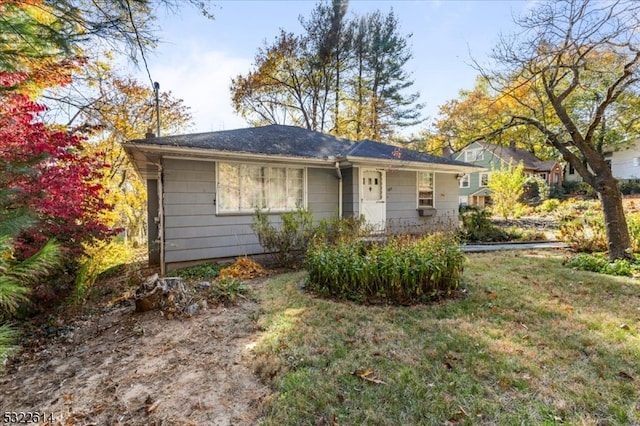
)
(618, 239)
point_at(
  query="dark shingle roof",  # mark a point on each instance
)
(270, 140)
(290, 141)
(507, 153)
(381, 151)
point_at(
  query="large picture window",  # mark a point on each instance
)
(425, 190)
(245, 187)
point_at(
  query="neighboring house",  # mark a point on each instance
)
(624, 163)
(474, 189)
(203, 188)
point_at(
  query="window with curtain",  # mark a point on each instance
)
(245, 187)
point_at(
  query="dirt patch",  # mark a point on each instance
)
(121, 367)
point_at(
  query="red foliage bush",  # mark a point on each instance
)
(44, 170)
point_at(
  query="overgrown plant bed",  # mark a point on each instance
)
(401, 270)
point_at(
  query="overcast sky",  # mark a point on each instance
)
(198, 57)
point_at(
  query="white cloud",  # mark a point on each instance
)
(201, 79)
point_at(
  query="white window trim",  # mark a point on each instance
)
(474, 155)
(252, 211)
(480, 175)
(433, 191)
(466, 178)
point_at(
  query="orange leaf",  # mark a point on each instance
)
(369, 376)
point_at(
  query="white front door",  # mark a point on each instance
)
(373, 198)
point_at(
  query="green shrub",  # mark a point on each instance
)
(204, 271)
(549, 205)
(228, 289)
(402, 270)
(520, 210)
(341, 229)
(628, 187)
(477, 226)
(578, 188)
(16, 276)
(535, 189)
(288, 241)
(601, 264)
(557, 191)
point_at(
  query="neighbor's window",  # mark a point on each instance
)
(474, 155)
(245, 187)
(484, 179)
(425, 189)
(464, 181)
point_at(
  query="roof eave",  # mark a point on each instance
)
(214, 153)
(417, 165)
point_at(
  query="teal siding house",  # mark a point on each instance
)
(473, 187)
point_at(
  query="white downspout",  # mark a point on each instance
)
(339, 173)
(161, 217)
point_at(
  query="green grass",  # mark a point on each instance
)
(533, 342)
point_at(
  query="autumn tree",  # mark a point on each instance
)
(39, 30)
(45, 170)
(475, 115)
(506, 183)
(122, 111)
(343, 76)
(577, 61)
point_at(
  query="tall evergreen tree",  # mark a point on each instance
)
(343, 76)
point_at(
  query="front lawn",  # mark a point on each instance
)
(531, 342)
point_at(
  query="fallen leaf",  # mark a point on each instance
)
(369, 376)
(624, 375)
(153, 406)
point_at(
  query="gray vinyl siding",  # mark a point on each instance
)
(446, 199)
(322, 196)
(194, 232)
(350, 197)
(401, 196)
(152, 222)
(192, 229)
(402, 193)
